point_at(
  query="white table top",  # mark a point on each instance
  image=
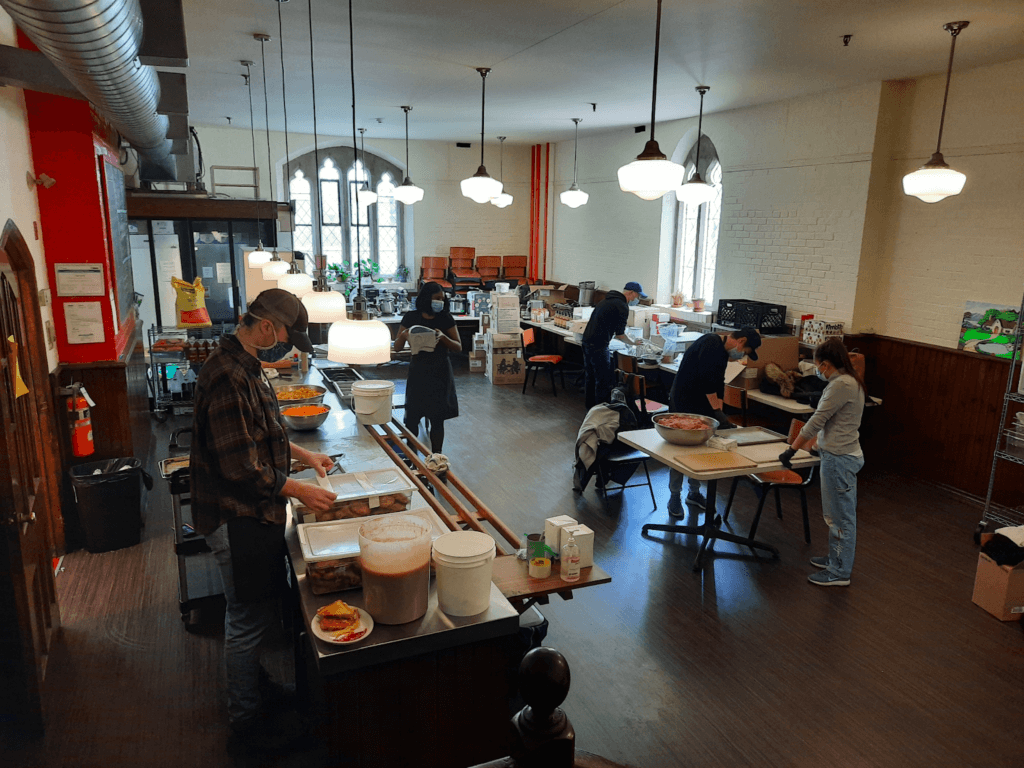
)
(778, 401)
(651, 443)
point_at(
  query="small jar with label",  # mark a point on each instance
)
(570, 564)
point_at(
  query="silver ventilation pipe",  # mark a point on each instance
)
(95, 45)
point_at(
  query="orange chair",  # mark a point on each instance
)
(537, 363)
(460, 269)
(513, 269)
(773, 481)
(432, 270)
(489, 268)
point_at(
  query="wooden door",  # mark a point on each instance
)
(29, 614)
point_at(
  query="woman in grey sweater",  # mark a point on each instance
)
(836, 423)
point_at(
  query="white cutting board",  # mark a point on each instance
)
(768, 453)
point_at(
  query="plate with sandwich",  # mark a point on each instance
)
(341, 624)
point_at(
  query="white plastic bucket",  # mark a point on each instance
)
(463, 561)
(501, 287)
(371, 400)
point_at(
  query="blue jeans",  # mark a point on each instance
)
(245, 626)
(599, 375)
(675, 483)
(839, 508)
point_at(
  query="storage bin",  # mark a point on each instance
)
(371, 401)
(361, 494)
(762, 316)
(464, 564)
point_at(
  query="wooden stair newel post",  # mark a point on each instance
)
(542, 736)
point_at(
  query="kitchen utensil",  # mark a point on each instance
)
(285, 403)
(304, 423)
(685, 436)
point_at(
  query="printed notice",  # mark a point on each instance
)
(79, 279)
(207, 273)
(84, 320)
(223, 272)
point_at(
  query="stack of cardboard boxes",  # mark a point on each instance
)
(498, 349)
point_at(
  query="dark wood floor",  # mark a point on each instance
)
(743, 664)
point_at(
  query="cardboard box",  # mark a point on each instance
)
(549, 294)
(497, 341)
(584, 540)
(479, 342)
(477, 365)
(506, 366)
(999, 589)
(784, 351)
(816, 331)
(504, 312)
(553, 530)
(479, 303)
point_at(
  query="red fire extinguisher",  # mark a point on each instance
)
(80, 422)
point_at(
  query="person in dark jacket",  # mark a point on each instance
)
(430, 389)
(699, 387)
(608, 321)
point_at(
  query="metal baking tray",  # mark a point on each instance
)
(171, 465)
(750, 435)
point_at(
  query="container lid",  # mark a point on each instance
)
(464, 545)
(373, 388)
(339, 539)
(364, 485)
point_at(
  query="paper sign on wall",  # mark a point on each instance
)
(84, 320)
(223, 272)
(207, 273)
(79, 279)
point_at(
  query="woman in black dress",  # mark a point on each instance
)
(430, 390)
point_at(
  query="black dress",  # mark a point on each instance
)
(430, 390)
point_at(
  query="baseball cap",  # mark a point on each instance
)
(636, 288)
(753, 341)
(283, 307)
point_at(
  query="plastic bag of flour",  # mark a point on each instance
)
(190, 303)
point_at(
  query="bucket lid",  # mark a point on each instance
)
(373, 388)
(464, 545)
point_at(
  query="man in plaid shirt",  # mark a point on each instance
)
(239, 480)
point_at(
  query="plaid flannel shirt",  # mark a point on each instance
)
(240, 453)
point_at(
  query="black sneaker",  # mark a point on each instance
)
(675, 507)
(696, 498)
(820, 562)
(274, 733)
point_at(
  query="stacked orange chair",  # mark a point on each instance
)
(514, 269)
(460, 269)
(433, 269)
(489, 268)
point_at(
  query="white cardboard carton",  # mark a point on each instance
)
(553, 530)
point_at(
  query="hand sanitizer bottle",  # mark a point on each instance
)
(570, 561)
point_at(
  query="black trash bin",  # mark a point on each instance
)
(110, 502)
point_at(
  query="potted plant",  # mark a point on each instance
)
(402, 274)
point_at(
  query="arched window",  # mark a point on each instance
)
(302, 200)
(697, 230)
(387, 225)
(359, 229)
(330, 213)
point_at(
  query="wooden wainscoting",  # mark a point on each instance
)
(941, 414)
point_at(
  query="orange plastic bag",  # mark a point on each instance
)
(190, 303)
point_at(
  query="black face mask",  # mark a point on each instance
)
(277, 352)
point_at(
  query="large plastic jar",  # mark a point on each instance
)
(463, 561)
(371, 400)
(394, 555)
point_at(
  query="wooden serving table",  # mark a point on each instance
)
(651, 443)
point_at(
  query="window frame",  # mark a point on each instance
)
(711, 171)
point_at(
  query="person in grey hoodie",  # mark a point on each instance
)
(836, 423)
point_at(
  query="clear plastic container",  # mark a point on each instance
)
(394, 556)
(361, 494)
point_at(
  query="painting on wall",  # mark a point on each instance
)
(989, 329)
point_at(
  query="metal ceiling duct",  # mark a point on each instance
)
(95, 44)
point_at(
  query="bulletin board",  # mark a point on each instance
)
(117, 215)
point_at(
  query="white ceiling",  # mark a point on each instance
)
(550, 58)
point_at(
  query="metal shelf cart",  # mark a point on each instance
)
(178, 348)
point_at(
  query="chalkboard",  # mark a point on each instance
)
(117, 214)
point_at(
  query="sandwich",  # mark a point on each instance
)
(338, 617)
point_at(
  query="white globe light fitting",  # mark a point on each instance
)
(504, 200)
(651, 175)
(325, 306)
(480, 187)
(259, 257)
(365, 196)
(696, 191)
(273, 270)
(934, 181)
(359, 342)
(574, 197)
(408, 193)
(297, 283)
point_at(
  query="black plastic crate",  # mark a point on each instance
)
(729, 311)
(762, 316)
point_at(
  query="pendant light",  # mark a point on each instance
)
(935, 180)
(574, 197)
(322, 303)
(407, 193)
(356, 342)
(296, 282)
(696, 191)
(260, 257)
(504, 200)
(480, 187)
(651, 175)
(276, 268)
(364, 195)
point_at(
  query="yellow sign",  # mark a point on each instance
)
(19, 385)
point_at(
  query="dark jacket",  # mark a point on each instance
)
(607, 321)
(701, 373)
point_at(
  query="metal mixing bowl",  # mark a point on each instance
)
(305, 401)
(686, 436)
(303, 423)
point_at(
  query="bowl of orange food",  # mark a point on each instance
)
(305, 417)
(300, 394)
(685, 428)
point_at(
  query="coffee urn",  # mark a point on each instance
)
(586, 293)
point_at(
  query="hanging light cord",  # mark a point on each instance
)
(312, 78)
(700, 127)
(657, 47)
(284, 106)
(252, 131)
(266, 104)
(355, 151)
(502, 171)
(954, 30)
(575, 149)
(483, 104)
(407, 109)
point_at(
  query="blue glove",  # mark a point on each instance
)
(786, 457)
